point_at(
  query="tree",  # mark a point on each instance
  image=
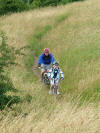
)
(7, 6)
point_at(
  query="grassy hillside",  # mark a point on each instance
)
(72, 34)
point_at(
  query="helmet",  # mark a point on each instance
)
(56, 64)
(46, 50)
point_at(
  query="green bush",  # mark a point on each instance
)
(7, 6)
(42, 3)
(49, 2)
(68, 1)
(7, 58)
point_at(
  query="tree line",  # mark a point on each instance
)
(9, 6)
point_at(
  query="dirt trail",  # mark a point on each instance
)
(35, 68)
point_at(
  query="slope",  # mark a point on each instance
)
(72, 34)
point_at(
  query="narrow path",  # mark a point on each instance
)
(37, 72)
(35, 68)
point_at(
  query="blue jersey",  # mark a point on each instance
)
(47, 60)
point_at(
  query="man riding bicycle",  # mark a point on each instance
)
(45, 60)
(55, 74)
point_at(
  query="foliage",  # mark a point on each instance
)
(42, 3)
(7, 6)
(7, 58)
(68, 1)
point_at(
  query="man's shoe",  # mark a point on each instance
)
(58, 93)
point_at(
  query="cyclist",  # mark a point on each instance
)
(45, 60)
(55, 74)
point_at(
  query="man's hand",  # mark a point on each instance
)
(39, 65)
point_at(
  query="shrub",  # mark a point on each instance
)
(42, 3)
(12, 6)
(68, 1)
(7, 6)
(7, 58)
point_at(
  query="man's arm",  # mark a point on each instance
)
(40, 61)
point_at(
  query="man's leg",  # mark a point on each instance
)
(48, 67)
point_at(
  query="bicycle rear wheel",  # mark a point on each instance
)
(46, 80)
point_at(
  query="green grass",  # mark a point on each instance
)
(73, 38)
(76, 58)
(61, 18)
(35, 44)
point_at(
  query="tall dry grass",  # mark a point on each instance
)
(67, 118)
(42, 113)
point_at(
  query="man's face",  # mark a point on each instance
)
(46, 53)
(56, 66)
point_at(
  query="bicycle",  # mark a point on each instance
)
(54, 88)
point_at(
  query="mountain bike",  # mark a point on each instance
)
(55, 87)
